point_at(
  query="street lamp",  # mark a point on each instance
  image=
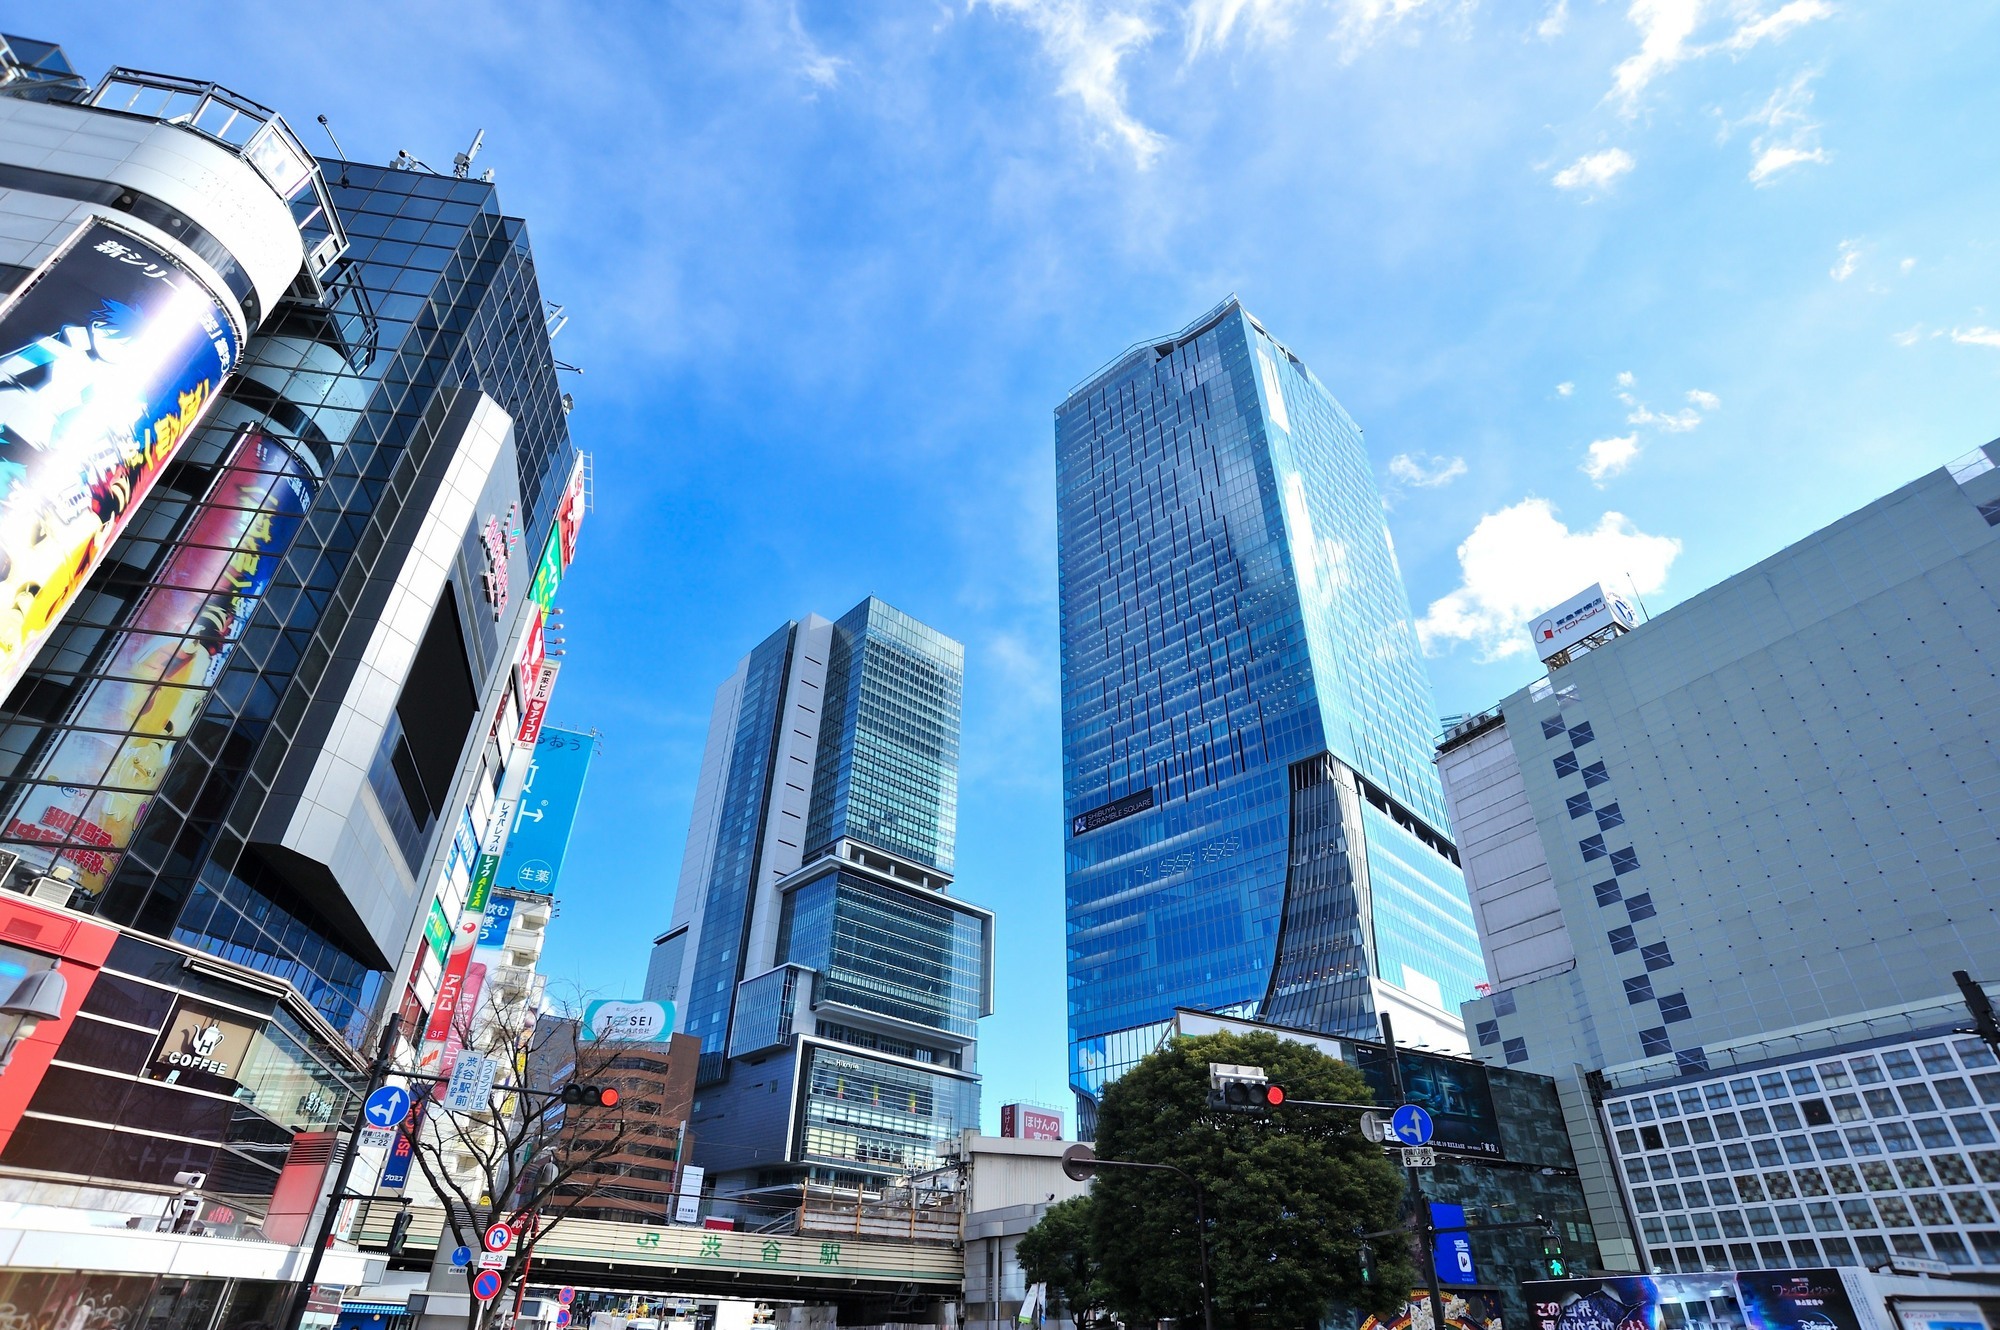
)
(1079, 1162)
(37, 997)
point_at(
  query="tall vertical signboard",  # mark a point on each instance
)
(546, 811)
(110, 355)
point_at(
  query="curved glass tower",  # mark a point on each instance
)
(1255, 823)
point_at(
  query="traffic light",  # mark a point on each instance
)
(1367, 1255)
(1984, 1023)
(590, 1096)
(1242, 1089)
(1552, 1253)
(399, 1229)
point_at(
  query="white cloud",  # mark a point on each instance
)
(1625, 379)
(1667, 31)
(1790, 138)
(1910, 336)
(1608, 457)
(1425, 471)
(1846, 261)
(1976, 336)
(1593, 170)
(1705, 400)
(1361, 21)
(1521, 560)
(1555, 22)
(1087, 42)
(1907, 264)
(1210, 22)
(820, 69)
(1565, 389)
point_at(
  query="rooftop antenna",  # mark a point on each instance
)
(405, 162)
(338, 151)
(462, 164)
(1630, 582)
(558, 318)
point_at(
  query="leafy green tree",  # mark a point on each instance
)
(1286, 1189)
(1057, 1252)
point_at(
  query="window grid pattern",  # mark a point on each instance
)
(885, 950)
(436, 295)
(865, 1116)
(1850, 1160)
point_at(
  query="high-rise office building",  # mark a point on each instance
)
(1725, 865)
(1254, 822)
(815, 951)
(287, 479)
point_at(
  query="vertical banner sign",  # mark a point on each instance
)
(494, 923)
(547, 812)
(468, 1008)
(537, 709)
(109, 356)
(122, 733)
(396, 1169)
(450, 990)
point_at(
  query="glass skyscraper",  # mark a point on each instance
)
(833, 983)
(1254, 822)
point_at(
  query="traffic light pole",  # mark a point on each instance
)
(1079, 1161)
(377, 1072)
(1420, 1213)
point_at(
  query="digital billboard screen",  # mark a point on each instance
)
(109, 356)
(1457, 1095)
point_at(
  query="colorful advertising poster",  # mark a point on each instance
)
(396, 1169)
(536, 713)
(1030, 1124)
(633, 1021)
(109, 355)
(468, 1005)
(1457, 1095)
(542, 821)
(94, 785)
(494, 921)
(1452, 1250)
(1464, 1309)
(1795, 1300)
(451, 989)
(1617, 1302)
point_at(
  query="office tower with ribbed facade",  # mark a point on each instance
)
(816, 950)
(1254, 824)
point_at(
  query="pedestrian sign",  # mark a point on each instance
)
(461, 1256)
(1411, 1125)
(387, 1107)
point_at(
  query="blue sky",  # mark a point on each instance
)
(1639, 290)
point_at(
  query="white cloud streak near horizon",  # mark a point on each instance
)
(1594, 170)
(1521, 560)
(1425, 471)
(1667, 30)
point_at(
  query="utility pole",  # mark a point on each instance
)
(1420, 1212)
(378, 1071)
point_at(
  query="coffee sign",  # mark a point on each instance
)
(201, 1039)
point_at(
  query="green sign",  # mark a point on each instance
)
(483, 875)
(437, 930)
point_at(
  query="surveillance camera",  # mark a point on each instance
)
(190, 1179)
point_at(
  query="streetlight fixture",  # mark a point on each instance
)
(37, 997)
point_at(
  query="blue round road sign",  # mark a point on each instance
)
(566, 1295)
(1411, 1125)
(562, 1317)
(461, 1256)
(387, 1107)
(486, 1285)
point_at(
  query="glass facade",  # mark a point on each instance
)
(917, 958)
(887, 772)
(864, 1117)
(142, 743)
(1241, 691)
(1832, 1160)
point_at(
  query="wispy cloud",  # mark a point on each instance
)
(1565, 389)
(1976, 336)
(1790, 137)
(820, 69)
(1555, 22)
(1705, 400)
(1606, 458)
(1594, 170)
(1667, 31)
(1675, 422)
(1521, 560)
(1845, 261)
(1087, 42)
(1425, 471)
(1210, 23)
(1909, 336)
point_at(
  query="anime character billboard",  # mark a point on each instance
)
(109, 356)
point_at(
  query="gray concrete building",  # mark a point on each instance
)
(1754, 832)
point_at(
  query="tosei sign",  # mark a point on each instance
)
(1590, 611)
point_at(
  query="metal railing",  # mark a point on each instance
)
(255, 133)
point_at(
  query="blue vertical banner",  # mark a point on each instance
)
(1452, 1250)
(493, 924)
(547, 810)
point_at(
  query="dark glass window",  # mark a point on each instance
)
(1640, 906)
(1592, 847)
(1607, 891)
(1579, 733)
(1656, 956)
(1609, 816)
(1692, 1060)
(1991, 512)
(1654, 1042)
(1551, 726)
(1579, 804)
(1595, 775)
(1566, 765)
(1489, 1032)
(1639, 989)
(1516, 1050)
(1625, 860)
(1674, 1007)
(1622, 938)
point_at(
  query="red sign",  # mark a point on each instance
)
(499, 1238)
(452, 986)
(537, 708)
(1030, 1124)
(486, 1285)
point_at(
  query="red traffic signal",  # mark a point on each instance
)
(1274, 1095)
(591, 1096)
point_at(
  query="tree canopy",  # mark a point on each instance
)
(1057, 1252)
(1286, 1191)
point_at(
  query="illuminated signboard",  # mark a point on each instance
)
(109, 356)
